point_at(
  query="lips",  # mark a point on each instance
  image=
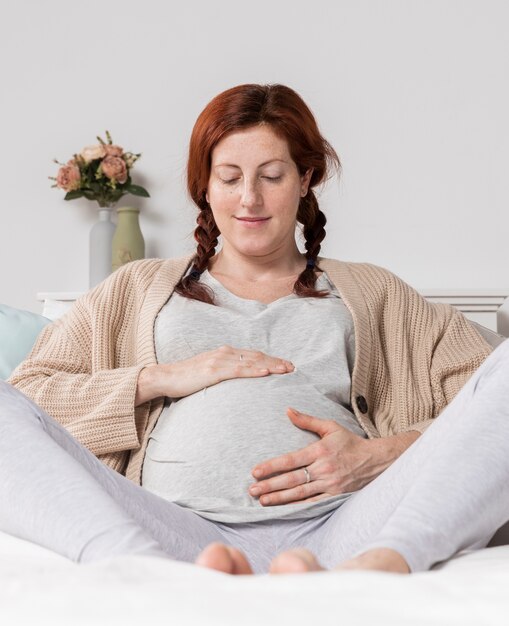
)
(252, 219)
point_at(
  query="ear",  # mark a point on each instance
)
(207, 197)
(305, 180)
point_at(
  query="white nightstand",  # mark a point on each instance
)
(56, 303)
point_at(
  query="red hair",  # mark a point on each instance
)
(288, 115)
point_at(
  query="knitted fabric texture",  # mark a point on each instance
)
(412, 356)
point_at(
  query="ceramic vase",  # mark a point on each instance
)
(101, 237)
(128, 243)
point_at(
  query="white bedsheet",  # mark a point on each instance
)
(38, 587)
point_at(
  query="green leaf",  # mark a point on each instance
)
(137, 190)
(96, 188)
(116, 195)
(72, 195)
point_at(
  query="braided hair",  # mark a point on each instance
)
(206, 234)
(313, 221)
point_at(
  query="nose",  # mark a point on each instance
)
(250, 194)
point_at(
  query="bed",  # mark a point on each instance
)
(40, 587)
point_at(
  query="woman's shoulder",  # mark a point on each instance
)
(382, 290)
(358, 271)
(370, 282)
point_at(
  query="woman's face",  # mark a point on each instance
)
(254, 192)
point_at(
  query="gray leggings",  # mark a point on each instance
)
(448, 492)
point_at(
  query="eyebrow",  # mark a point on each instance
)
(261, 164)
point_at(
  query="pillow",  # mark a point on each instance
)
(18, 332)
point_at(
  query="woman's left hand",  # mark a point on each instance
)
(341, 462)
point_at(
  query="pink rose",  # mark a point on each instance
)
(69, 177)
(115, 167)
(90, 153)
(116, 151)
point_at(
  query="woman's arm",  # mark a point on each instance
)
(182, 378)
(83, 369)
(74, 373)
(341, 462)
(95, 405)
(440, 351)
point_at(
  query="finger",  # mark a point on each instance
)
(286, 462)
(280, 482)
(317, 425)
(317, 498)
(235, 368)
(257, 358)
(296, 494)
(248, 368)
(252, 357)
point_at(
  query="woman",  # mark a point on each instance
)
(178, 374)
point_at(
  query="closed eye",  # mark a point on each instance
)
(273, 179)
(229, 181)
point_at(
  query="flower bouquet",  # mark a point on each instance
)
(101, 173)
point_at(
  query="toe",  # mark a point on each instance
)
(297, 561)
(240, 562)
(224, 559)
(216, 556)
(378, 559)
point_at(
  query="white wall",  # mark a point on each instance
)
(413, 95)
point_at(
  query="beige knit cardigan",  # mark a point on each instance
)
(411, 357)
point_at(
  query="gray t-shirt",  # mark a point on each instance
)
(204, 446)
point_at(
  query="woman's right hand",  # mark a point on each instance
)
(182, 378)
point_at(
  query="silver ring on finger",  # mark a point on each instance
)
(241, 357)
(308, 475)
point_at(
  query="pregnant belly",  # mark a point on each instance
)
(204, 447)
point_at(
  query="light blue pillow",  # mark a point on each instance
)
(18, 332)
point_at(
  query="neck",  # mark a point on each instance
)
(279, 264)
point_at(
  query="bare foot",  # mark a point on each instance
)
(299, 560)
(381, 559)
(296, 561)
(224, 559)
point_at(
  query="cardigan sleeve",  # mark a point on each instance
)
(77, 373)
(456, 356)
(431, 349)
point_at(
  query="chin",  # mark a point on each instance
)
(252, 248)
